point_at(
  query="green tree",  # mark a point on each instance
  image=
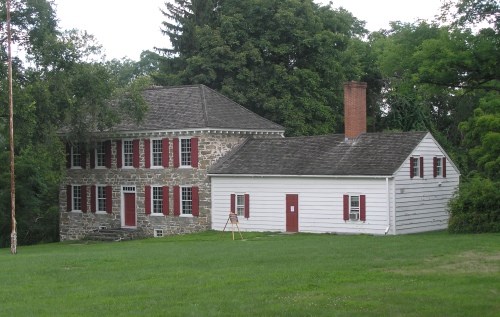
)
(61, 84)
(286, 60)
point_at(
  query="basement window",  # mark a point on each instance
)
(158, 233)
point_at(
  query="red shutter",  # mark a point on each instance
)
(109, 199)
(362, 207)
(83, 155)
(92, 158)
(92, 199)
(166, 205)
(164, 152)
(346, 207)
(194, 152)
(119, 157)
(233, 203)
(412, 173)
(434, 167)
(147, 153)
(107, 154)
(177, 201)
(247, 206)
(176, 152)
(84, 198)
(443, 167)
(135, 154)
(147, 199)
(68, 197)
(196, 201)
(421, 167)
(68, 155)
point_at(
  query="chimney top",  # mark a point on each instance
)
(354, 109)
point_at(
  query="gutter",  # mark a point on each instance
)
(299, 176)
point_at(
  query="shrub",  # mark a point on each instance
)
(476, 208)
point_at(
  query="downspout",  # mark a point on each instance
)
(388, 206)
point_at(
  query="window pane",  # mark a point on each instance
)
(157, 200)
(240, 205)
(77, 198)
(128, 151)
(416, 163)
(157, 153)
(100, 154)
(101, 198)
(438, 166)
(187, 201)
(76, 159)
(185, 152)
(354, 210)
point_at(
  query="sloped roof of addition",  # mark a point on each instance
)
(371, 154)
(195, 107)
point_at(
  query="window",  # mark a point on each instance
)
(185, 152)
(157, 200)
(157, 152)
(128, 153)
(158, 233)
(240, 205)
(415, 167)
(439, 166)
(101, 198)
(76, 156)
(354, 207)
(100, 154)
(186, 201)
(77, 197)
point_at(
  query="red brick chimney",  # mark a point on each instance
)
(354, 109)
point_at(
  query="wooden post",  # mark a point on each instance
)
(13, 235)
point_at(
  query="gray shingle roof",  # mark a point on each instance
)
(195, 106)
(371, 154)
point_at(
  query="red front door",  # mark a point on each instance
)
(129, 199)
(292, 213)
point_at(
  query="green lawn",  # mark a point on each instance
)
(208, 274)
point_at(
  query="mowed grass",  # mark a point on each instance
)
(208, 274)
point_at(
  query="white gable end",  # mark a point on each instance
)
(421, 202)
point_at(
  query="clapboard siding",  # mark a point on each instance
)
(320, 203)
(421, 203)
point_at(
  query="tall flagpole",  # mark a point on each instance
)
(13, 235)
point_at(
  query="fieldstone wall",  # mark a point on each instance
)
(211, 146)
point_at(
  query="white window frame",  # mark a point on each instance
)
(159, 200)
(100, 150)
(439, 166)
(240, 204)
(185, 151)
(160, 153)
(76, 199)
(186, 204)
(354, 211)
(125, 154)
(99, 198)
(76, 152)
(416, 166)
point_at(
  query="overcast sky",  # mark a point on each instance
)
(127, 27)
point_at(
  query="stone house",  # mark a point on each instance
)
(153, 177)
